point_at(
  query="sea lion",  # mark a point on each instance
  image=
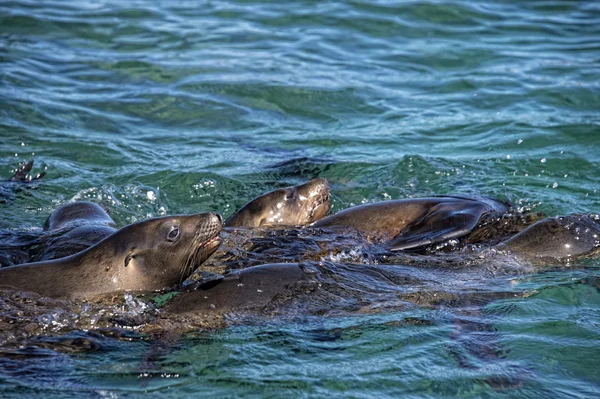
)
(78, 212)
(146, 256)
(71, 228)
(253, 288)
(415, 222)
(312, 288)
(75, 226)
(560, 238)
(291, 206)
(249, 288)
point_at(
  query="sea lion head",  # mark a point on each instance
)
(78, 212)
(565, 237)
(162, 252)
(291, 206)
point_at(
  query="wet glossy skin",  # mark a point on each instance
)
(78, 212)
(414, 222)
(145, 256)
(242, 289)
(565, 237)
(72, 228)
(292, 206)
(76, 226)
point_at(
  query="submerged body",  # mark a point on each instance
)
(246, 289)
(150, 255)
(292, 289)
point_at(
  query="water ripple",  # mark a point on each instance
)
(207, 105)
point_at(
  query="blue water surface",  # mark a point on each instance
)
(163, 107)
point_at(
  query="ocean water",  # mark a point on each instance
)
(163, 107)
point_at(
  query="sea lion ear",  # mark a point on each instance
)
(128, 258)
(133, 253)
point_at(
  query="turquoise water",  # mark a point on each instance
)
(163, 107)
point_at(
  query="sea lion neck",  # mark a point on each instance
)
(71, 276)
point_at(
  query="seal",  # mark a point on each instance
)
(71, 228)
(75, 226)
(415, 222)
(557, 238)
(238, 290)
(77, 213)
(150, 255)
(291, 206)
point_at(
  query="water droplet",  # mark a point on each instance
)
(555, 185)
(543, 160)
(519, 141)
(507, 156)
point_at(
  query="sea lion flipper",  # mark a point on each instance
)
(443, 222)
(22, 173)
(20, 178)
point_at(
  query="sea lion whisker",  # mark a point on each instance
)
(192, 250)
(195, 251)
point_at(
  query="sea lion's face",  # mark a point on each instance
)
(291, 206)
(163, 252)
(559, 238)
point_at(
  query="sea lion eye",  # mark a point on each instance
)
(173, 235)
